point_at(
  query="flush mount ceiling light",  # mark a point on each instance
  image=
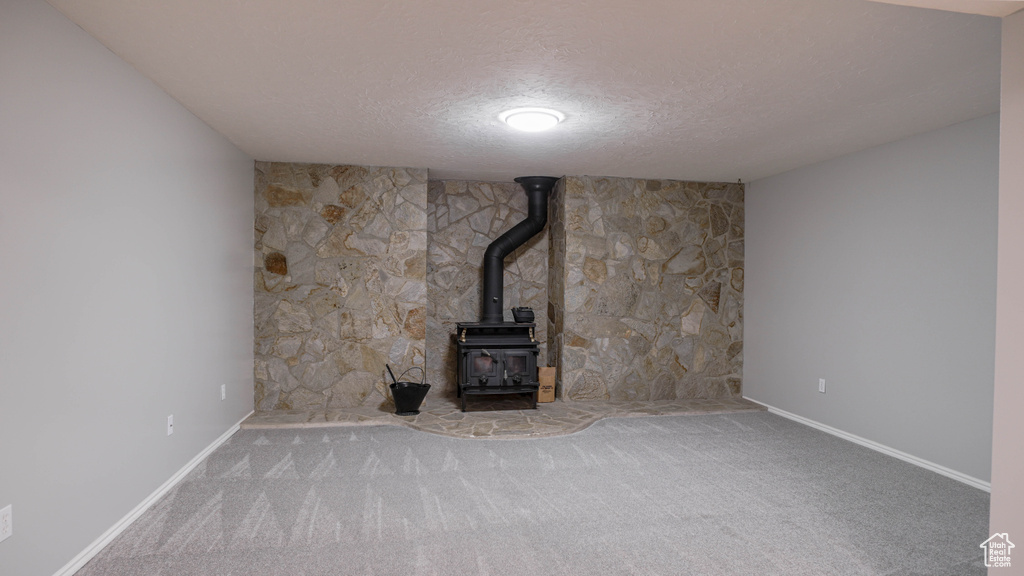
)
(531, 119)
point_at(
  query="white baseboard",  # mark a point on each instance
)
(938, 469)
(93, 549)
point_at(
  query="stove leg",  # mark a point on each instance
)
(535, 399)
(463, 402)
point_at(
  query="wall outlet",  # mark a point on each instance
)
(223, 391)
(6, 523)
(821, 385)
(170, 424)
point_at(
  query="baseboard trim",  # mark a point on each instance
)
(937, 468)
(93, 549)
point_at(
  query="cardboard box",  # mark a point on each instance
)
(547, 384)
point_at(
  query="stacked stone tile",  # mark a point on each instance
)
(340, 285)
(642, 282)
(463, 218)
(646, 298)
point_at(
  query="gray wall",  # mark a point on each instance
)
(126, 283)
(1008, 427)
(876, 271)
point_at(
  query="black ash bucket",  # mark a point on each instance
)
(408, 395)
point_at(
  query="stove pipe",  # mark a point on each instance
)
(537, 190)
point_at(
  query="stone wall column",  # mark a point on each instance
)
(463, 218)
(340, 282)
(646, 289)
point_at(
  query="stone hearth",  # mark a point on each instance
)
(497, 419)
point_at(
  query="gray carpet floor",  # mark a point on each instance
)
(729, 494)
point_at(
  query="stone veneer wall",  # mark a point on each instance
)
(462, 219)
(646, 288)
(340, 285)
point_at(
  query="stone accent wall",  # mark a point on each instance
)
(556, 283)
(462, 219)
(647, 288)
(340, 282)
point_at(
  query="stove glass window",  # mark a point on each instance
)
(482, 364)
(515, 364)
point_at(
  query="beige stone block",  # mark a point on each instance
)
(408, 216)
(588, 385)
(303, 399)
(690, 321)
(275, 237)
(326, 189)
(379, 227)
(363, 215)
(369, 360)
(736, 279)
(334, 246)
(417, 241)
(352, 196)
(481, 222)
(292, 318)
(280, 375)
(662, 388)
(688, 260)
(736, 253)
(574, 187)
(461, 206)
(323, 301)
(356, 326)
(352, 390)
(314, 232)
(595, 270)
(287, 346)
(260, 371)
(718, 220)
(276, 263)
(406, 291)
(655, 225)
(293, 222)
(415, 268)
(415, 323)
(650, 249)
(366, 246)
(711, 295)
(278, 195)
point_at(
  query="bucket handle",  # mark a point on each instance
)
(423, 373)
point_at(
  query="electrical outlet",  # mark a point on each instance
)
(6, 523)
(821, 385)
(170, 424)
(223, 391)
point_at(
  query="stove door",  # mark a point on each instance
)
(519, 367)
(484, 369)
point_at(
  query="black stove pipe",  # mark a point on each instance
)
(537, 190)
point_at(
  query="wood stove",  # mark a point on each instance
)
(497, 358)
(494, 356)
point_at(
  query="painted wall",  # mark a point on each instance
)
(341, 256)
(463, 218)
(876, 271)
(125, 275)
(646, 288)
(1008, 427)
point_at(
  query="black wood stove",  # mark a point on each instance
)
(494, 356)
(497, 358)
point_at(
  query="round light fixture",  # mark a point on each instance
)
(531, 119)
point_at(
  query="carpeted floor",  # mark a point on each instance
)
(729, 494)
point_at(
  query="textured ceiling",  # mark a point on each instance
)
(698, 89)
